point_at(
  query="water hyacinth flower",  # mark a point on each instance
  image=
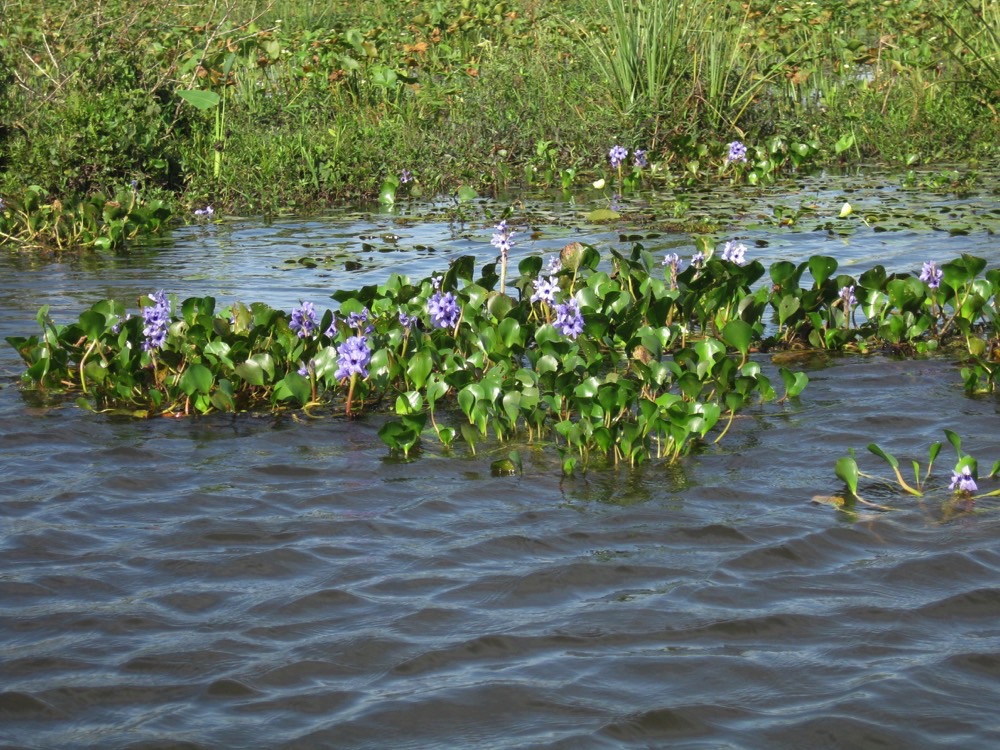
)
(353, 358)
(554, 265)
(407, 321)
(443, 309)
(698, 259)
(737, 152)
(405, 176)
(304, 320)
(639, 158)
(963, 481)
(673, 262)
(617, 155)
(156, 320)
(569, 321)
(545, 290)
(931, 274)
(847, 295)
(359, 319)
(502, 239)
(735, 252)
(207, 212)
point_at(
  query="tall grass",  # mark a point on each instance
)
(645, 53)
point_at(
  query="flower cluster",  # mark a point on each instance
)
(963, 481)
(847, 295)
(735, 252)
(931, 274)
(639, 158)
(353, 358)
(569, 321)
(156, 319)
(545, 290)
(443, 309)
(698, 259)
(737, 151)
(405, 176)
(617, 155)
(206, 212)
(502, 239)
(359, 320)
(407, 321)
(304, 320)
(673, 261)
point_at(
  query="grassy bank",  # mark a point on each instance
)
(116, 115)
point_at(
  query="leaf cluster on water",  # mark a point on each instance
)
(664, 357)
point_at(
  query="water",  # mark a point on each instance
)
(277, 581)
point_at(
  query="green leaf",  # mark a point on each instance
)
(603, 214)
(888, 457)
(203, 100)
(466, 194)
(738, 334)
(847, 470)
(821, 267)
(197, 379)
(293, 386)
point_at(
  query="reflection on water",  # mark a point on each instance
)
(262, 581)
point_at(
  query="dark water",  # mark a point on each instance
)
(260, 581)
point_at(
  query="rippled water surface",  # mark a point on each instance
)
(274, 581)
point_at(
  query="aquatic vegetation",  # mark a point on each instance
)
(963, 483)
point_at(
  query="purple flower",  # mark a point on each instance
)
(359, 319)
(617, 156)
(353, 358)
(405, 176)
(554, 265)
(443, 309)
(847, 294)
(963, 482)
(331, 330)
(304, 320)
(639, 158)
(156, 319)
(501, 239)
(407, 321)
(673, 262)
(545, 290)
(207, 211)
(931, 274)
(737, 151)
(734, 252)
(698, 259)
(569, 321)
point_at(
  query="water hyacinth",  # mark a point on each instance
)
(405, 176)
(737, 151)
(617, 155)
(554, 265)
(963, 481)
(639, 158)
(847, 295)
(673, 262)
(502, 239)
(359, 320)
(443, 309)
(407, 321)
(569, 321)
(156, 320)
(734, 252)
(353, 358)
(698, 259)
(931, 274)
(205, 212)
(545, 290)
(303, 320)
